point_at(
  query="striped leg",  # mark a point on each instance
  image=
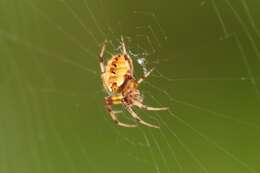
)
(123, 45)
(109, 102)
(145, 76)
(148, 108)
(101, 59)
(138, 119)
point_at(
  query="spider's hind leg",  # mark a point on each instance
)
(123, 45)
(101, 57)
(141, 79)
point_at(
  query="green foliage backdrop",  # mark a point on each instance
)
(207, 59)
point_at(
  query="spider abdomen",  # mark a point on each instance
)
(116, 72)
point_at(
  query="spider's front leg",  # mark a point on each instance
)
(109, 102)
(138, 119)
(148, 108)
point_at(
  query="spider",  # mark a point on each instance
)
(120, 84)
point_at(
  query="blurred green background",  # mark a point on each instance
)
(207, 59)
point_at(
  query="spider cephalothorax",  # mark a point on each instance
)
(119, 82)
(131, 93)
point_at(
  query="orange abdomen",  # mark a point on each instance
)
(117, 68)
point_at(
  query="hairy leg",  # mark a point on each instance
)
(101, 57)
(142, 106)
(138, 119)
(145, 76)
(109, 103)
(123, 45)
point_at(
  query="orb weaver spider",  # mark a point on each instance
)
(120, 84)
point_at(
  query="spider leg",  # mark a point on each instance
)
(123, 45)
(114, 117)
(101, 59)
(138, 119)
(145, 76)
(148, 108)
(155, 109)
(117, 112)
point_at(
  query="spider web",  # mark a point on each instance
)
(206, 55)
